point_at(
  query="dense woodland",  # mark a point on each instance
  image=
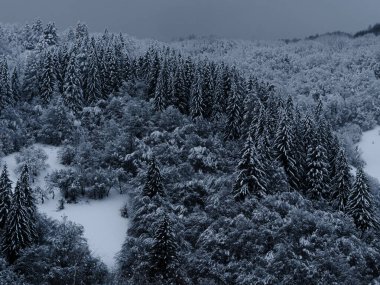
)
(237, 157)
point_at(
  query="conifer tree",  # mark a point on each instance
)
(20, 226)
(93, 90)
(73, 93)
(47, 79)
(154, 73)
(6, 98)
(153, 185)
(197, 108)
(251, 178)
(31, 78)
(5, 196)
(181, 98)
(61, 61)
(317, 173)
(234, 113)
(163, 254)
(286, 152)
(342, 181)
(359, 204)
(161, 100)
(50, 34)
(15, 86)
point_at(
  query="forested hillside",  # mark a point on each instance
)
(238, 157)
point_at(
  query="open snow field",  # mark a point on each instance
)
(370, 152)
(104, 228)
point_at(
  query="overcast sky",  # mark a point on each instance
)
(168, 19)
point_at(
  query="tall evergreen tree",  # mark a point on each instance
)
(50, 34)
(20, 227)
(15, 86)
(161, 100)
(154, 73)
(47, 79)
(317, 174)
(234, 113)
(153, 185)
(197, 108)
(163, 254)
(93, 90)
(286, 152)
(73, 93)
(6, 98)
(360, 203)
(31, 78)
(342, 181)
(251, 178)
(5, 196)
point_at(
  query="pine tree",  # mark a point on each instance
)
(50, 34)
(197, 108)
(16, 235)
(207, 89)
(251, 178)
(153, 185)
(163, 254)
(234, 113)
(317, 173)
(93, 81)
(73, 94)
(20, 227)
(153, 75)
(6, 98)
(342, 181)
(180, 97)
(161, 100)
(61, 61)
(29, 202)
(15, 86)
(286, 152)
(47, 79)
(31, 78)
(360, 203)
(5, 196)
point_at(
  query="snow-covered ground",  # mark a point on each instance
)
(104, 228)
(369, 147)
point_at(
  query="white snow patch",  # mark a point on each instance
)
(369, 146)
(104, 228)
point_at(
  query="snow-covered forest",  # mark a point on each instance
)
(197, 161)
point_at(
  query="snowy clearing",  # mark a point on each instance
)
(104, 228)
(370, 151)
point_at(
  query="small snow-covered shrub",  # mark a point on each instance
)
(202, 159)
(34, 157)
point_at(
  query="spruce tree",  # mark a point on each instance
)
(161, 100)
(153, 185)
(31, 78)
(50, 34)
(286, 152)
(73, 93)
(234, 113)
(359, 204)
(197, 108)
(6, 98)
(5, 196)
(47, 79)
(251, 177)
(15, 86)
(317, 174)
(93, 90)
(163, 254)
(20, 227)
(154, 72)
(341, 181)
